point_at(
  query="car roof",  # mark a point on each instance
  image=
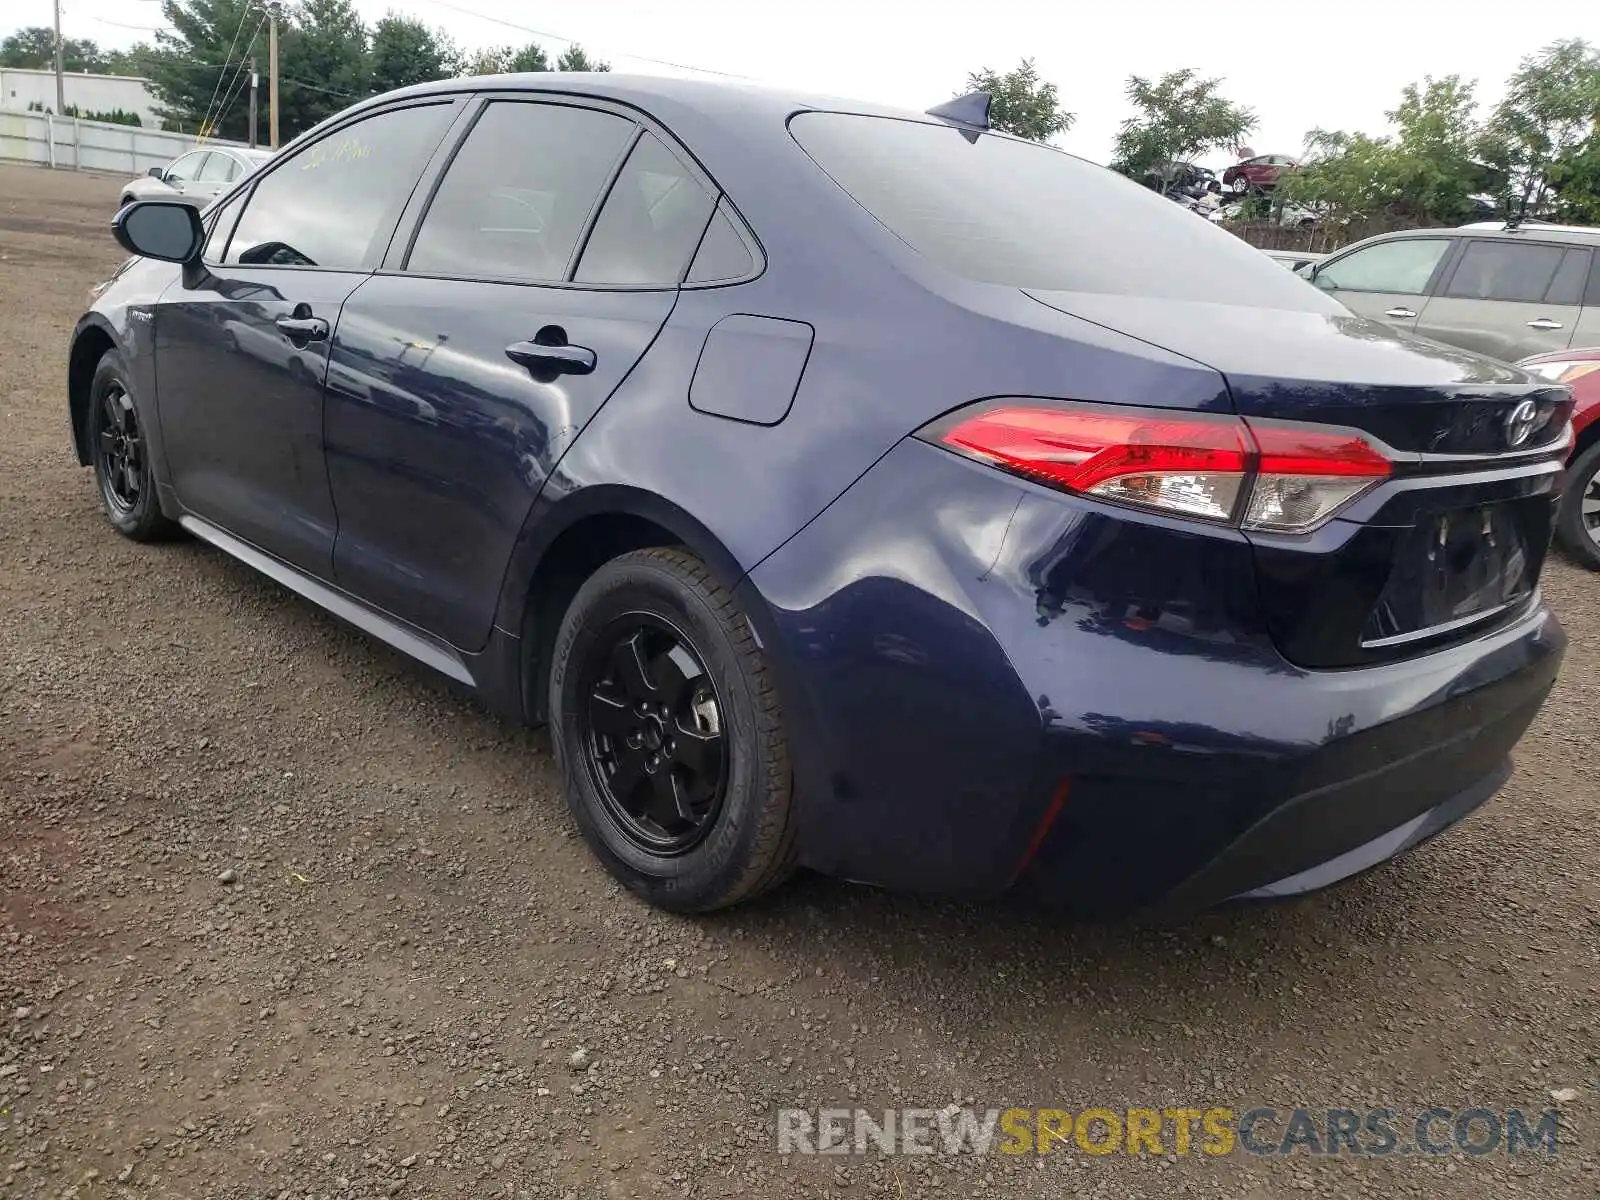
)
(730, 99)
(725, 95)
(1543, 230)
(1572, 235)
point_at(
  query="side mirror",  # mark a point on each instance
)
(156, 173)
(161, 229)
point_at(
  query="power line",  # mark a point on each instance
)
(660, 62)
(236, 89)
(226, 59)
(120, 25)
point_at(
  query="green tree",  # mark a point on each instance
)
(323, 64)
(1577, 181)
(530, 58)
(1180, 117)
(1426, 171)
(575, 58)
(405, 51)
(1546, 121)
(491, 60)
(34, 48)
(191, 68)
(1020, 103)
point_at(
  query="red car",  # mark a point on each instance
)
(1578, 518)
(1258, 174)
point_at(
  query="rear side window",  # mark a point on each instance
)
(1404, 267)
(1567, 286)
(1491, 270)
(651, 222)
(723, 255)
(327, 206)
(520, 190)
(1000, 210)
(216, 169)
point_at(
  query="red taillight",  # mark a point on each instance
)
(1270, 475)
(1285, 449)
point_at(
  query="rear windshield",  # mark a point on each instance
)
(1000, 210)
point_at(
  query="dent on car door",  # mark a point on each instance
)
(1387, 281)
(242, 343)
(1509, 299)
(463, 370)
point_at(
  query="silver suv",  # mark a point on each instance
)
(1504, 291)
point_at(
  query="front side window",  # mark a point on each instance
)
(1491, 270)
(997, 209)
(519, 192)
(187, 168)
(1403, 267)
(221, 224)
(329, 204)
(651, 222)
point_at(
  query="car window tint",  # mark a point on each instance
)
(722, 255)
(1567, 286)
(1403, 266)
(1002, 210)
(519, 192)
(1491, 270)
(216, 168)
(651, 221)
(325, 206)
(182, 170)
(221, 225)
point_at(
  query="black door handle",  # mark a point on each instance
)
(553, 359)
(301, 327)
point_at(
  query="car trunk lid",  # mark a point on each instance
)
(1452, 543)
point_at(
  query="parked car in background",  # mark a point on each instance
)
(1578, 517)
(838, 503)
(1186, 177)
(196, 178)
(1508, 292)
(1259, 174)
(1295, 260)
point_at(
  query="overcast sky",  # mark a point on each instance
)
(1298, 63)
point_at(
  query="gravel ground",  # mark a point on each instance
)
(283, 915)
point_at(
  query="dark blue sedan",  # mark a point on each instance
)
(847, 487)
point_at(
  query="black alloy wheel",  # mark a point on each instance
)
(669, 735)
(119, 450)
(123, 468)
(652, 734)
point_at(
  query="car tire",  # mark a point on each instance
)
(124, 202)
(669, 737)
(1579, 531)
(119, 450)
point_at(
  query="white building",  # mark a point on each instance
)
(91, 93)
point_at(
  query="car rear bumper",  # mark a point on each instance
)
(995, 689)
(1308, 821)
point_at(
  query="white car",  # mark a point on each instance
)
(197, 178)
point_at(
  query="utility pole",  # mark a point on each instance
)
(272, 73)
(255, 79)
(61, 87)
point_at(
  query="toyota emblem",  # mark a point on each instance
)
(1520, 422)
